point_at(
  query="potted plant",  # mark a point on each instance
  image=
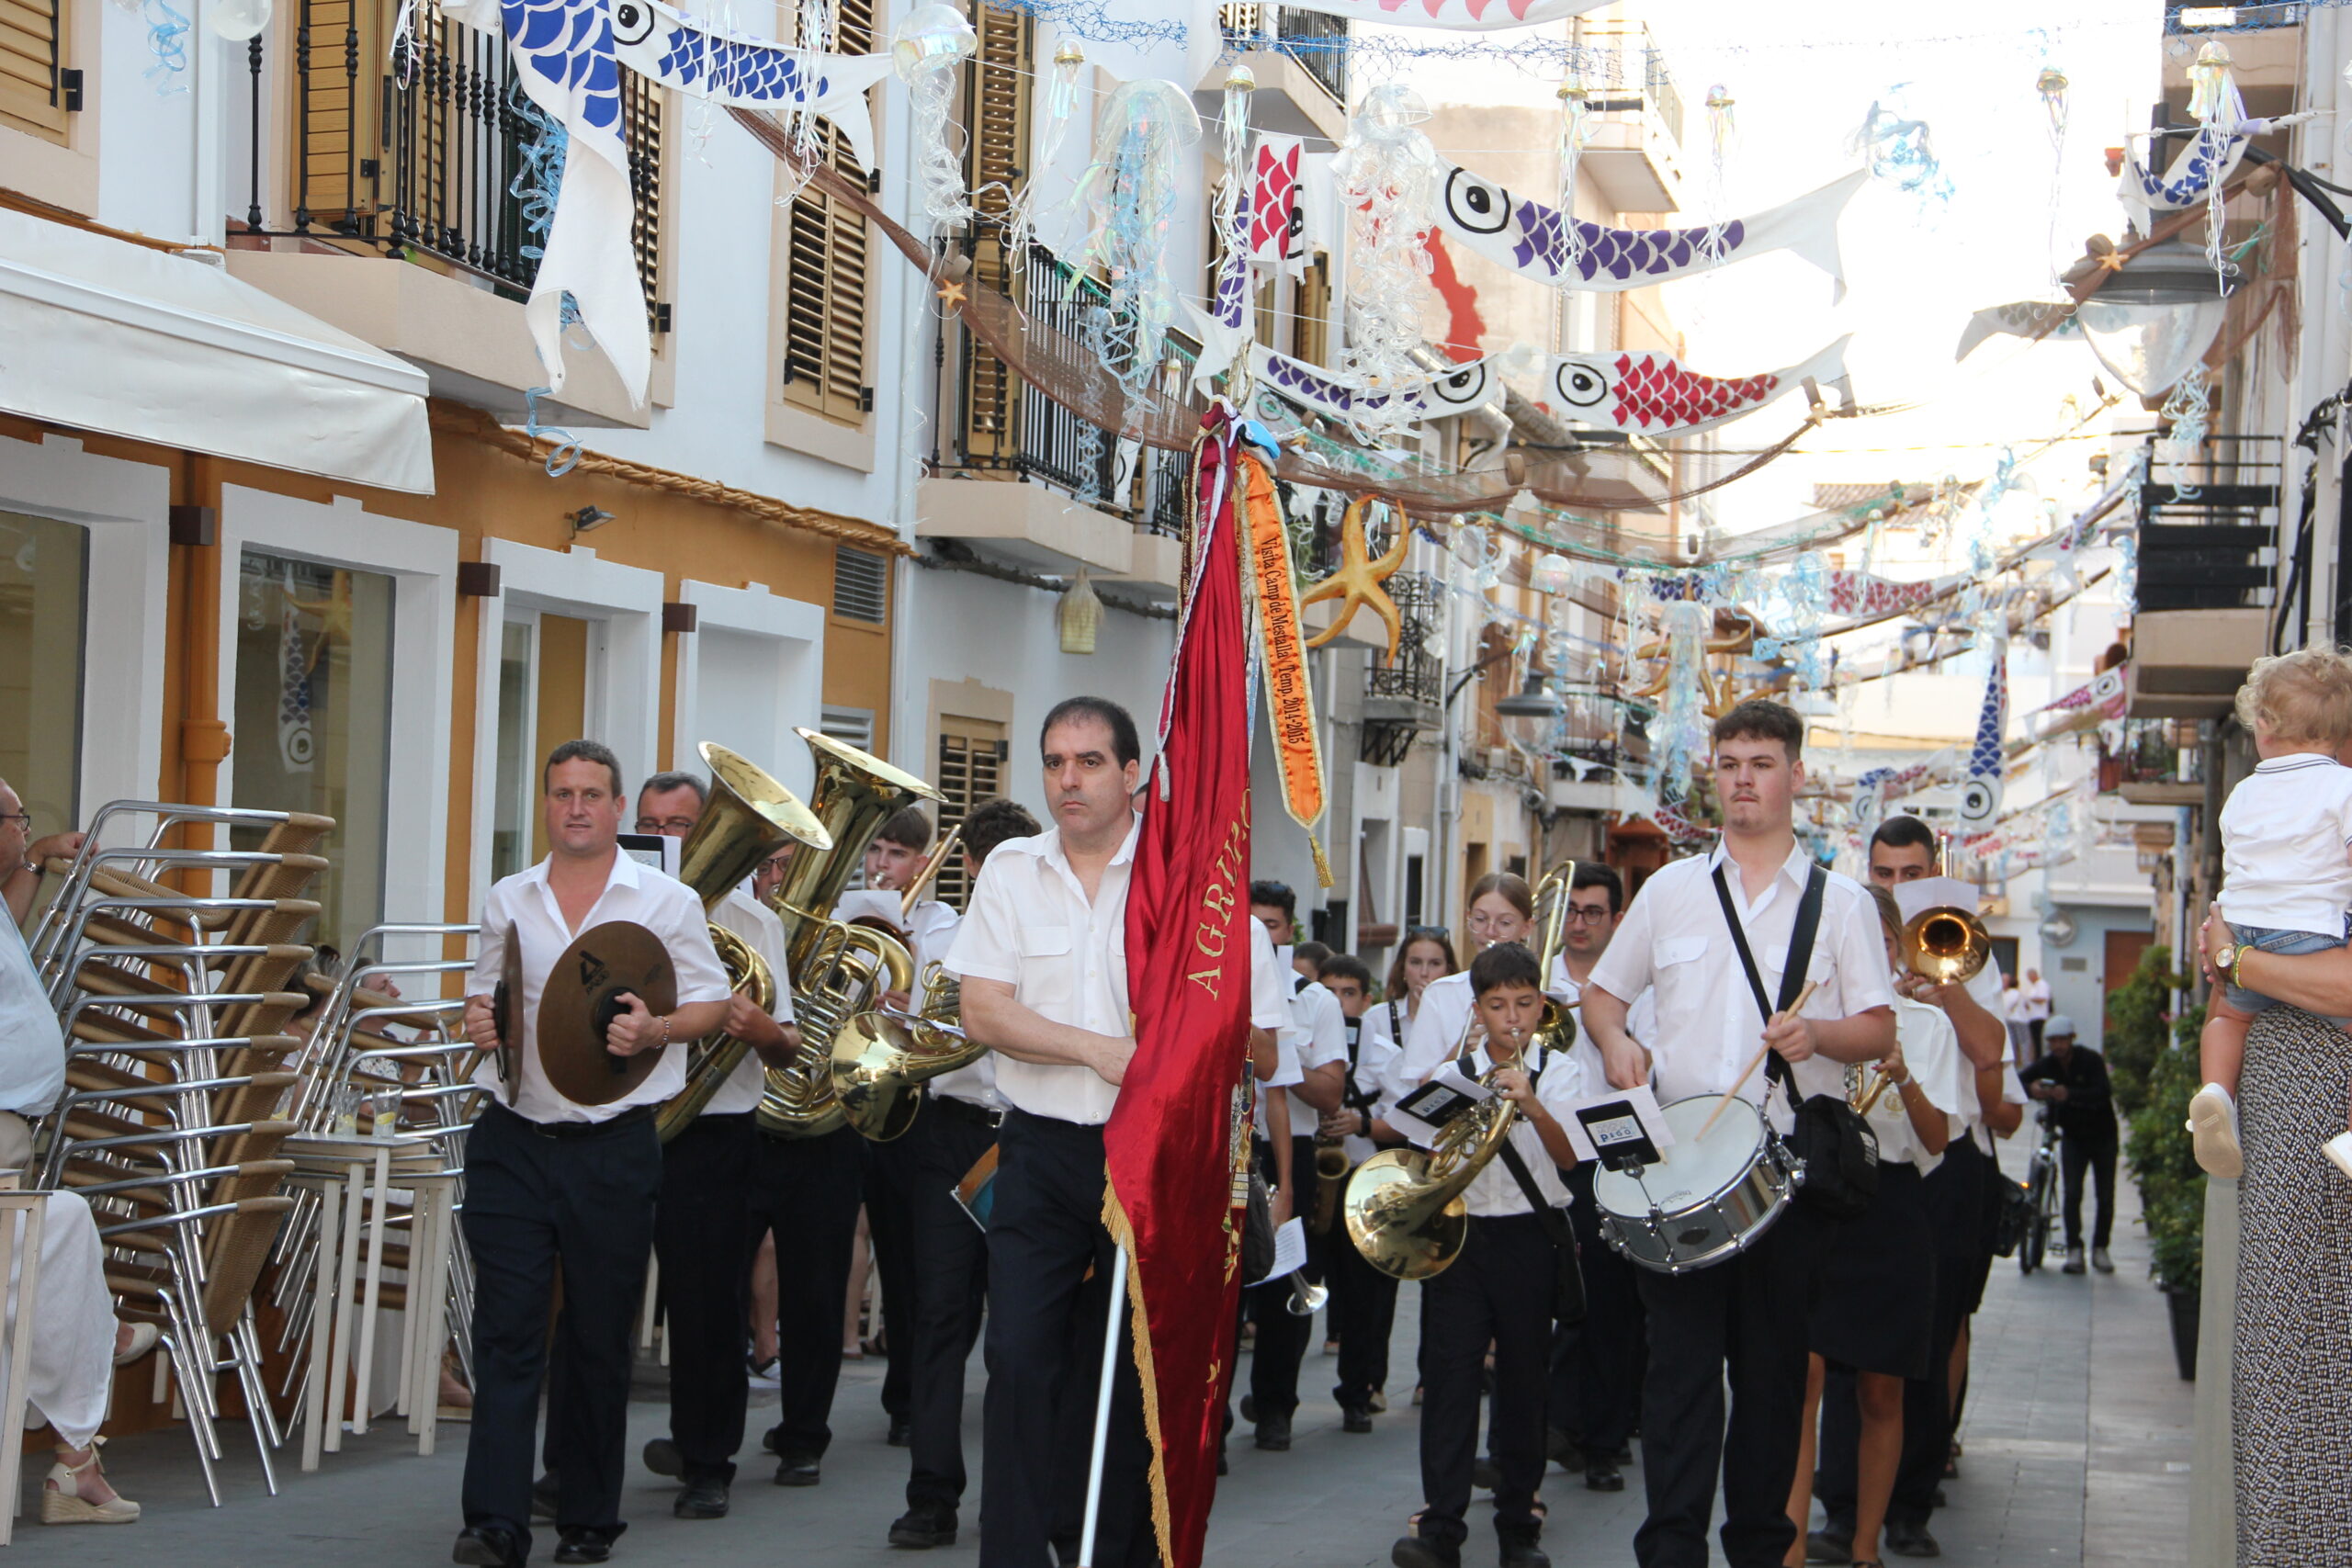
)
(2138, 1027)
(2172, 1187)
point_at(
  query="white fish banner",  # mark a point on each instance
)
(1529, 237)
(1648, 392)
(1461, 16)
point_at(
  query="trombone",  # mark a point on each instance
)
(1946, 944)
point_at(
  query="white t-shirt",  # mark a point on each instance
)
(2285, 835)
(2036, 1001)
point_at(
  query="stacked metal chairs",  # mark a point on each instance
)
(389, 1035)
(171, 970)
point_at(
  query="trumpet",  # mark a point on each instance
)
(1306, 1298)
(1946, 944)
(1330, 1182)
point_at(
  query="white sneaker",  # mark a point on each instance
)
(2339, 1149)
(2213, 1128)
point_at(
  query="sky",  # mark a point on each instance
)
(1802, 78)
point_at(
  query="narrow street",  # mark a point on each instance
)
(2077, 1453)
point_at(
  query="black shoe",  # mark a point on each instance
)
(1521, 1551)
(1249, 1407)
(796, 1470)
(1602, 1476)
(662, 1457)
(773, 1438)
(1484, 1474)
(924, 1528)
(1829, 1546)
(1273, 1434)
(1412, 1551)
(544, 1492)
(1356, 1418)
(1563, 1450)
(1911, 1540)
(584, 1546)
(487, 1546)
(902, 1430)
(702, 1499)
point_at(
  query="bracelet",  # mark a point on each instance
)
(2237, 964)
(665, 1033)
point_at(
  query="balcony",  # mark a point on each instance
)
(2208, 565)
(1404, 701)
(2161, 764)
(1634, 150)
(389, 191)
(1300, 61)
(1055, 494)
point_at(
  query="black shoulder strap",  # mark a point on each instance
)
(1555, 1231)
(1801, 938)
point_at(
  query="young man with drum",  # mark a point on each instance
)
(1748, 1309)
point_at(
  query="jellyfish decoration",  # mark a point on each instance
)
(1900, 150)
(1061, 103)
(925, 49)
(1387, 175)
(1130, 193)
(1575, 130)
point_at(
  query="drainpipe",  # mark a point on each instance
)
(204, 738)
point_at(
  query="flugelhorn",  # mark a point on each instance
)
(1946, 944)
(838, 970)
(748, 818)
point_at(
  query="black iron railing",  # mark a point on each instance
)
(1417, 674)
(1318, 42)
(2208, 526)
(426, 146)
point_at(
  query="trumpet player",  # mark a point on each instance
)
(1363, 1300)
(702, 1222)
(956, 1129)
(1496, 1292)
(1306, 1087)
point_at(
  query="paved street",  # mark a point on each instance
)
(2077, 1448)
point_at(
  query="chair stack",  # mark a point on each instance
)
(389, 1032)
(172, 972)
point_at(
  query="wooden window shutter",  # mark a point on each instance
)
(644, 107)
(32, 58)
(971, 770)
(826, 270)
(1310, 327)
(997, 102)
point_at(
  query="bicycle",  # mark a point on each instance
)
(2041, 1187)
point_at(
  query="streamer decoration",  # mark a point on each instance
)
(925, 49)
(1387, 176)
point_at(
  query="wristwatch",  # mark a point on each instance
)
(2225, 961)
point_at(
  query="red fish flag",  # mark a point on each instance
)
(1170, 1141)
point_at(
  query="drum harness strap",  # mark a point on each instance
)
(1808, 922)
(1568, 1287)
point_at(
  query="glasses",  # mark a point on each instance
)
(1576, 916)
(674, 827)
(24, 817)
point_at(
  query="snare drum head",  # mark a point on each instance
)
(1695, 1168)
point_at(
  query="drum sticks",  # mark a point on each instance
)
(1756, 1061)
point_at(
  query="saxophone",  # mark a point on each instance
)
(839, 970)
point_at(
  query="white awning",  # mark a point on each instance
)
(105, 335)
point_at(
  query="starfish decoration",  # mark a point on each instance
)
(1358, 578)
(952, 295)
(334, 617)
(1717, 694)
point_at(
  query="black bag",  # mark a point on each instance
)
(1567, 1274)
(2011, 1218)
(1839, 1150)
(1257, 1232)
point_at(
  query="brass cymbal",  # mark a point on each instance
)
(506, 1015)
(583, 998)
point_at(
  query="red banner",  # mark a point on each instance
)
(1171, 1141)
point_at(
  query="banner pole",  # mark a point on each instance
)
(1102, 1405)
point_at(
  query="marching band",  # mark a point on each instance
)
(694, 1054)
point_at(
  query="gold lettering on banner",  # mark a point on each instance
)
(1219, 899)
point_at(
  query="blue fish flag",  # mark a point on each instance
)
(1981, 797)
(570, 54)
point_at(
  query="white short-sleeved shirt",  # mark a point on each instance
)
(1641, 1022)
(522, 908)
(1707, 1027)
(1373, 1056)
(756, 924)
(1030, 925)
(2285, 834)
(1494, 1192)
(2037, 1001)
(2012, 1093)
(1932, 1056)
(33, 1045)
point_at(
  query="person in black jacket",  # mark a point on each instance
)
(2073, 1079)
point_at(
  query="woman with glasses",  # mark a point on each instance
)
(1501, 909)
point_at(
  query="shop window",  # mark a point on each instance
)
(313, 720)
(542, 703)
(43, 568)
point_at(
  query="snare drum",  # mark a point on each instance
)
(1708, 1199)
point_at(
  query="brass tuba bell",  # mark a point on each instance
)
(747, 817)
(1946, 944)
(882, 1059)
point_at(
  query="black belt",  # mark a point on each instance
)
(561, 1130)
(965, 1110)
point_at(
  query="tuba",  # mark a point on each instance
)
(748, 818)
(838, 969)
(1403, 1207)
(1946, 944)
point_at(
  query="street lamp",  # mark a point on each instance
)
(1532, 700)
(2152, 323)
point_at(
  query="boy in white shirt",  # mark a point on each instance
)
(2287, 862)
